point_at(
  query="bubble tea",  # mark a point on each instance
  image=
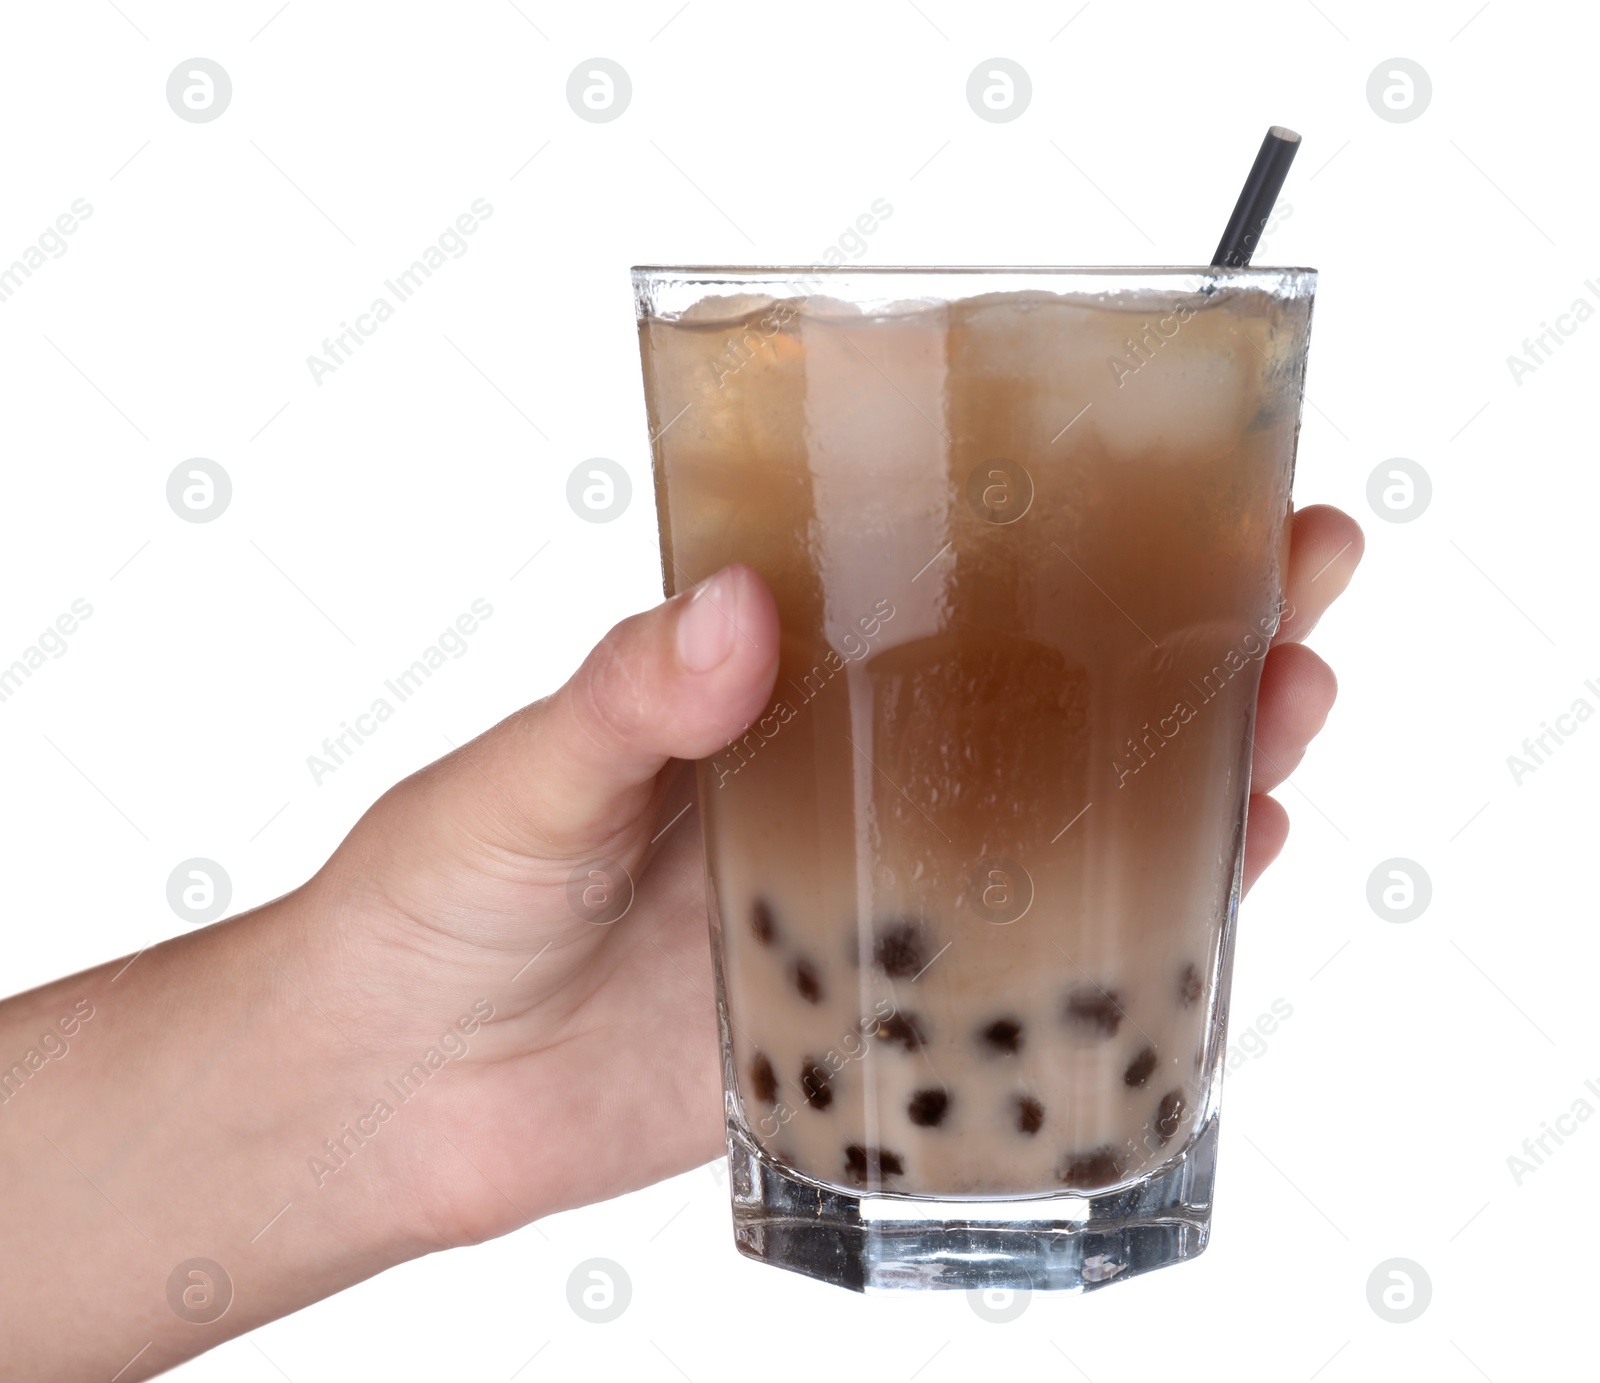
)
(973, 870)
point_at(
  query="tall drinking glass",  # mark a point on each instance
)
(973, 873)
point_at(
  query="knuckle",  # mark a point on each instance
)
(609, 695)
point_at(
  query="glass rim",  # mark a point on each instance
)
(670, 293)
(736, 271)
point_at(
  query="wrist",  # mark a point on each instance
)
(420, 1043)
(318, 1051)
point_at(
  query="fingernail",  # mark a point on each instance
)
(706, 626)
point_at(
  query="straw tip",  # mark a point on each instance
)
(1284, 133)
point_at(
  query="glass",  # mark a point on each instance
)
(973, 873)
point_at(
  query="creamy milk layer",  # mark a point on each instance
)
(972, 868)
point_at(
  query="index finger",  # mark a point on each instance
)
(1325, 546)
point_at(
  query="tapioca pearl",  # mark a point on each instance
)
(1169, 1114)
(863, 1163)
(807, 981)
(928, 1107)
(1087, 1171)
(1094, 1011)
(763, 1079)
(1189, 985)
(816, 1083)
(1140, 1068)
(762, 923)
(899, 950)
(904, 1028)
(1002, 1037)
(1029, 1114)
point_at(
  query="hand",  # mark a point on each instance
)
(426, 1044)
(600, 1071)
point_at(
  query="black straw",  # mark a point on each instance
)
(1256, 200)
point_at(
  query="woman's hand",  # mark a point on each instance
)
(449, 1031)
(600, 1070)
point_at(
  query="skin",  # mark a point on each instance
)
(185, 1113)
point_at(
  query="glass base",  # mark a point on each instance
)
(1047, 1243)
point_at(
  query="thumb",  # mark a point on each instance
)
(676, 682)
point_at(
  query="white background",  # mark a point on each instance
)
(369, 511)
